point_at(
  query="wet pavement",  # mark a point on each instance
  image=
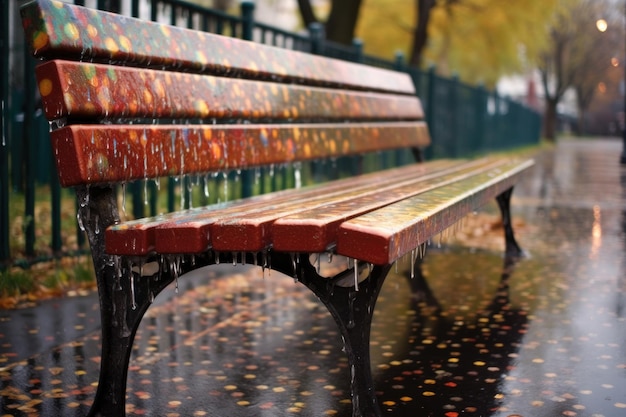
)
(467, 337)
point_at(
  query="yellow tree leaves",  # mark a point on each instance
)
(480, 40)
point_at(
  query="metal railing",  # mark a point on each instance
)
(463, 120)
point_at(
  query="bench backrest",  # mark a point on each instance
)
(131, 99)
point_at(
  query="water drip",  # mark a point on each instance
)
(124, 199)
(132, 286)
(79, 219)
(297, 174)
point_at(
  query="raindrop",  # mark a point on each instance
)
(206, 186)
(297, 174)
(79, 219)
(97, 225)
(132, 286)
(124, 199)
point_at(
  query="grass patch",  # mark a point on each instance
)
(68, 276)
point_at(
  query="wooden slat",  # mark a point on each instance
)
(382, 236)
(52, 31)
(93, 91)
(102, 154)
(246, 232)
(188, 231)
(315, 229)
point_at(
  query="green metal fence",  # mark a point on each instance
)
(463, 120)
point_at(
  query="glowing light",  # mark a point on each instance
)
(596, 233)
(602, 25)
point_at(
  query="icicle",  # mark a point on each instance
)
(225, 177)
(124, 199)
(413, 264)
(132, 286)
(206, 186)
(79, 219)
(356, 275)
(318, 261)
(97, 225)
(181, 180)
(297, 174)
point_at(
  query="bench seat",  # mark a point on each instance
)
(376, 218)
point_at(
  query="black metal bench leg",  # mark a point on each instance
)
(124, 298)
(353, 311)
(512, 249)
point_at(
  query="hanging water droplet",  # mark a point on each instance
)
(79, 219)
(124, 199)
(132, 286)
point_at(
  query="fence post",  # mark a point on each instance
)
(28, 139)
(247, 20)
(453, 108)
(134, 8)
(357, 44)
(316, 33)
(4, 132)
(398, 62)
(430, 112)
(480, 108)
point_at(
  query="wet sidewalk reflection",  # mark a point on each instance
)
(467, 336)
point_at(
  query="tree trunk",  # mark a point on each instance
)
(342, 21)
(550, 120)
(306, 12)
(420, 34)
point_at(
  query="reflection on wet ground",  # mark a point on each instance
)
(466, 336)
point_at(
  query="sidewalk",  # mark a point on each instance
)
(542, 340)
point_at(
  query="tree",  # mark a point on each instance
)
(479, 40)
(577, 56)
(341, 22)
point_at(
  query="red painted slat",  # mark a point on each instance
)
(248, 229)
(111, 153)
(314, 230)
(382, 236)
(187, 231)
(85, 90)
(52, 31)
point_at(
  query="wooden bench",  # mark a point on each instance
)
(133, 100)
